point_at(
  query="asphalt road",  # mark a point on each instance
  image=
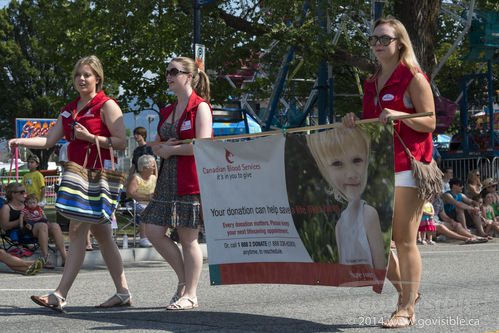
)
(459, 286)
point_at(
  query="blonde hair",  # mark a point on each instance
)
(94, 63)
(200, 82)
(406, 51)
(473, 177)
(324, 145)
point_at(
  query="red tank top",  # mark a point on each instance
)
(392, 97)
(89, 117)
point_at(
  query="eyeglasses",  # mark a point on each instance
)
(383, 40)
(174, 71)
(22, 191)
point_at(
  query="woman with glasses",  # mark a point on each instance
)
(89, 118)
(399, 87)
(11, 213)
(176, 201)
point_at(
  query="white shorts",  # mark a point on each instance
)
(405, 179)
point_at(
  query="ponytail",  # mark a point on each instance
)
(200, 81)
(201, 85)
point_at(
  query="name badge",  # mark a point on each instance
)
(388, 97)
(186, 125)
(65, 114)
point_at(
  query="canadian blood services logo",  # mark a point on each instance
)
(228, 156)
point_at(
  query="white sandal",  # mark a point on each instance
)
(61, 302)
(125, 300)
(178, 306)
(176, 296)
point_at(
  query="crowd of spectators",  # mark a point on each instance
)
(22, 214)
(466, 212)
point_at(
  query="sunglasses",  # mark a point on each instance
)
(23, 191)
(174, 71)
(383, 40)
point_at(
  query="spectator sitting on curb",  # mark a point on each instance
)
(473, 184)
(455, 203)
(490, 186)
(448, 174)
(451, 228)
(27, 267)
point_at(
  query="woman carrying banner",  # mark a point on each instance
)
(402, 88)
(176, 200)
(91, 116)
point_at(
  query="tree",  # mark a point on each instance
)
(41, 40)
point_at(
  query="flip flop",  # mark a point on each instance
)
(60, 300)
(399, 321)
(477, 240)
(177, 306)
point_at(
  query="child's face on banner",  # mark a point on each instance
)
(348, 170)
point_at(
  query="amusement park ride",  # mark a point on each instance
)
(482, 29)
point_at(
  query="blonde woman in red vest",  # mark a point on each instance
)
(402, 88)
(91, 116)
(176, 201)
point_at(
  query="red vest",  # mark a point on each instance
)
(187, 179)
(392, 97)
(89, 117)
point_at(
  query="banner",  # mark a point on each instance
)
(199, 56)
(299, 208)
(30, 128)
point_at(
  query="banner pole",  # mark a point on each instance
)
(298, 129)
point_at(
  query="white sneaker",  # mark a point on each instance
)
(144, 242)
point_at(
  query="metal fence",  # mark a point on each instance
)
(50, 182)
(488, 167)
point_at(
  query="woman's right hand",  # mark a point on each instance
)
(14, 143)
(349, 120)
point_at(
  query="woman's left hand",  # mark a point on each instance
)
(82, 133)
(165, 150)
(385, 115)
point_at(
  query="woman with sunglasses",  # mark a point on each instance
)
(11, 213)
(92, 116)
(176, 201)
(399, 87)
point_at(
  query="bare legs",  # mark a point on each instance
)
(407, 274)
(187, 269)
(461, 218)
(40, 231)
(77, 235)
(111, 255)
(193, 260)
(56, 233)
(14, 263)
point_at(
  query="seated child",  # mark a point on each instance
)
(31, 213)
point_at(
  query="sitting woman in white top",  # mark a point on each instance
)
(342, 155)
(141, 188)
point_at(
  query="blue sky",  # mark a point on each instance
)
(142, 120)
